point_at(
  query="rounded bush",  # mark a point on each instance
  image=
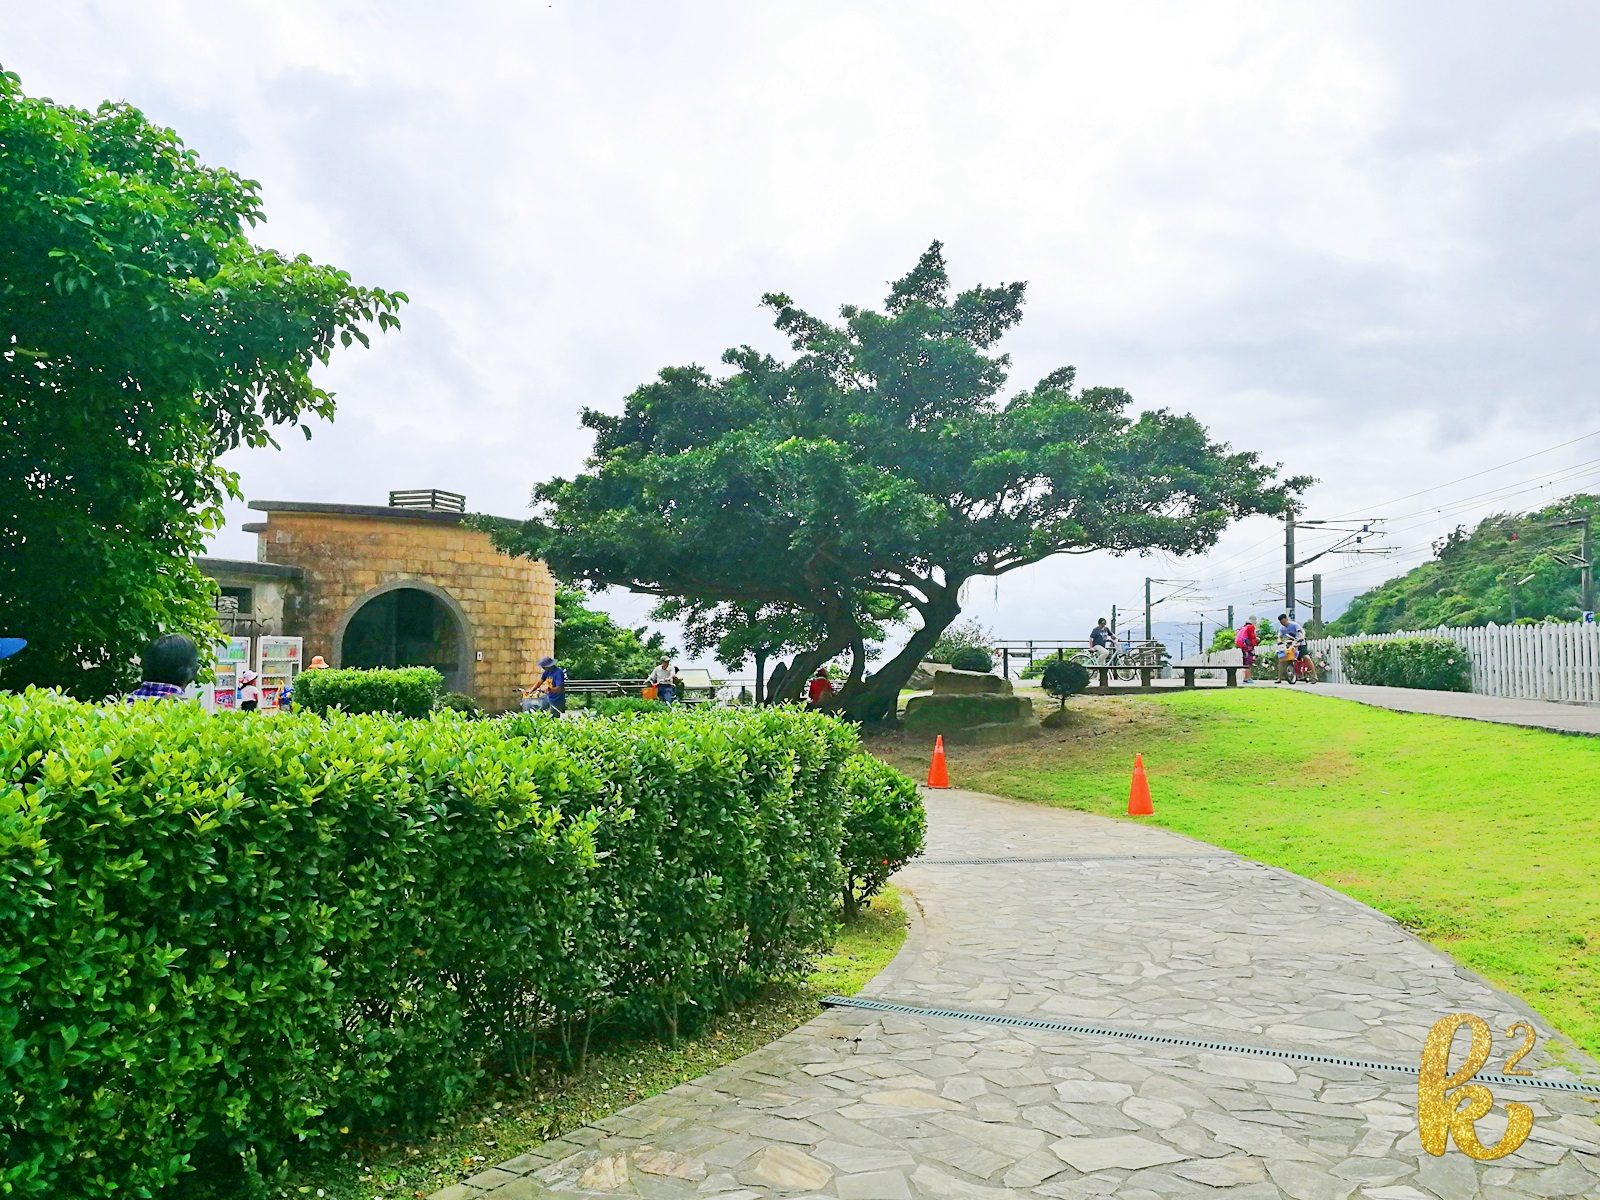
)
(972, 658)
(1064, 677)
(884, 826)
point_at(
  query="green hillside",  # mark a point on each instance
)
(1473, 577)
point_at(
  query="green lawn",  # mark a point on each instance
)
(518, 1118)
(1484, 839)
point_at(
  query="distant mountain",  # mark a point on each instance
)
(1473, 578)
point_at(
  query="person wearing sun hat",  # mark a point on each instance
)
(553, 687)
(249, 690)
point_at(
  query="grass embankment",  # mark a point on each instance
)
(1483, 839)
(508, 1124)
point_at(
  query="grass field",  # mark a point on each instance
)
(1483, 839)
(519, 1117)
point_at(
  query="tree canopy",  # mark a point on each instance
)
(590, 645)
(1512, 566)
(879, 462)
(142, 334)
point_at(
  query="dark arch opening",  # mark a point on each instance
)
(405, 627)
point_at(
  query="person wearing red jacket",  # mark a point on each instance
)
(820, 688)
(1247, 639)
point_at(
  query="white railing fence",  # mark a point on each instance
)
(1519, 662)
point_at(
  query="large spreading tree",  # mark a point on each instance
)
(142, 334)
(880, 465)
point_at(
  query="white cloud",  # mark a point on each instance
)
(1358, 238)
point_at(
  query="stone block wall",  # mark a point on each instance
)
(508, 603)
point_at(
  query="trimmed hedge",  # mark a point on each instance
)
(407, 691)
(222, 938)
(884, 827)
(972, 658)
(1435, 663)
(618, 706)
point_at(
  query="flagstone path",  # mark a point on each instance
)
(1133, 928)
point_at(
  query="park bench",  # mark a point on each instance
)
(1230, 661)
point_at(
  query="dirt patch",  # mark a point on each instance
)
(1089, 719)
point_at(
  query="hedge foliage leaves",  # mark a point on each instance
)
(884, 827)
(1435, 663)
(228, 936)
(407, 691)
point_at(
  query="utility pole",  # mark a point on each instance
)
(1585, 562)
(1231, 625)
(1113, 622)
(1288, 561)
(1316, 601)
(1148, 636)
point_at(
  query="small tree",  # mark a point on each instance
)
(142, 335)
(1063, 678)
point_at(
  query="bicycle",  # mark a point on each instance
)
(1124, 665)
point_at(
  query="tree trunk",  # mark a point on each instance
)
(876, 699)
(761, 676)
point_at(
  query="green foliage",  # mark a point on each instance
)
(142, 335)
(591, 645)
(958, 636)
(622, 706)
(972, 658)
(881, 460)
(1065, 677)
(1510, 568)
(405, 691)
(884, 827)
(227, 939)
(460, 702)
(1223, 640)
(1435, 663)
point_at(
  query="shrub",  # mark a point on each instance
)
(883, 828)
(406, 691)
(1064, 677)
(460, 702)
(956, 635)
(971, 658)
(1436, 663)
(222, 938)
(620, 706)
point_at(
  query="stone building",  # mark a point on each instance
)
(407, 584)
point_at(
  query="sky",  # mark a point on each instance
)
(1359, 238)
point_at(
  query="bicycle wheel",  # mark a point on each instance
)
(1126, 670)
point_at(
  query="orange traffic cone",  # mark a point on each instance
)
(938, 777)
(1139, 794)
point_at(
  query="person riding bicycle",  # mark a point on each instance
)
(1102, 642)
(1291, 647)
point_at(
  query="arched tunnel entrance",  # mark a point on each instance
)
(408, 627)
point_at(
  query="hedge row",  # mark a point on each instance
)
(1436, 663)
(225, 936)
(409, 691)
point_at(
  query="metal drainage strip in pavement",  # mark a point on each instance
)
(1167, 1039)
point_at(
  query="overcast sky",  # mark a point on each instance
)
(1360, 238)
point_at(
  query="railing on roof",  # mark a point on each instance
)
(431, 499)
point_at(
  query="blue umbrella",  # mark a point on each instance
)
(9, 646)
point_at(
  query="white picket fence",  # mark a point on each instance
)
(1519, 662)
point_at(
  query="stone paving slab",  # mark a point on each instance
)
(865, 1106)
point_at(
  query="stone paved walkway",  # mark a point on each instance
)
(1535, 714)
(1140, 929)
